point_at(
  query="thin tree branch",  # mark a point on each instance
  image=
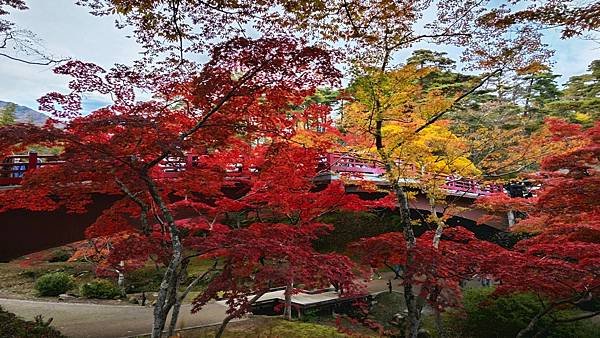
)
(140, 203)
(211, 112)
(458, 99)
(37, 63)
(574, 319)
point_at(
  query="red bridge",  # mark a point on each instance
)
(335, 166)
(14, 167)
(40, 227)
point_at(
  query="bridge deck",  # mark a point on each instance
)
(333, 166)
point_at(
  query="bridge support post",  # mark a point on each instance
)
(511, 218)
(32, 161)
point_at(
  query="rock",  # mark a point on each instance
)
(423, 333)
(65, 296)
(398, 319)
(134, 300)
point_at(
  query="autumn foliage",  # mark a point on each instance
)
(560, 263)
(247, 196)
(222, 161)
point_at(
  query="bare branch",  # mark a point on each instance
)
(48, 62)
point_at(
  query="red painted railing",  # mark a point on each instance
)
(355, 167)
(342, 163)
(172, 166)
(471, 186)
(14, 167)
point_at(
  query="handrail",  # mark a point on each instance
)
(14, 167)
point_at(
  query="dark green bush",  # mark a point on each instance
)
(13, 326)
(146, 279)
(386, 307)
(53, 284)
(100, 288)
(59, 256)
(29, 274)
(487, 316)
(510, 239)
(351, 226)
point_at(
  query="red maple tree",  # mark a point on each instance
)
(235, 125)
(561, 262)
(436, 272)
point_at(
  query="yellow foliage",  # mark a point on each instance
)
(582, 118)
(396, 100)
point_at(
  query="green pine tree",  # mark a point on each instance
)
(7, 114)
(580, 101)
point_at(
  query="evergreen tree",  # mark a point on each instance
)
(443, 76)
(581, 97)
(7, 114)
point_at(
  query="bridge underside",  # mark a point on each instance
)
(23, 232)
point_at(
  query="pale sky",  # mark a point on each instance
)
(67, 30)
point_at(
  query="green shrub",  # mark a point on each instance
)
(301, 330)
(351, 226)
(53, 284)
(386, 307)
(13, 326)
(59, 256)
(487, 316)
(100, 288)
(146, 279)
(509, 239)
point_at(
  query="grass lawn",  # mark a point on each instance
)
(267, 327)
(17, 278)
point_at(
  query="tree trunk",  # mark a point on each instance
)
(439, 230)
(167, 297)
(121, 277)
(439, 324)
(404, 210)
(511, 218)
(176, 299)
(168, 286)
(287, 310)
(235, 314)
(180, 297)
(412, 303)
(533, 322)
(414, 312)
(221, 330)
(174, 317)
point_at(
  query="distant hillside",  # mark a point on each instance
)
(27, 115)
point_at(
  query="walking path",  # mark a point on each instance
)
(104, 321)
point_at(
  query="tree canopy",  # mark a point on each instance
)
(223, 159)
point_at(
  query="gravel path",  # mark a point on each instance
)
(104, 321)
(93, 320)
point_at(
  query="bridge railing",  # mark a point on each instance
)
(14, 167)
(471, 186)
(343, 163)
(171, 166)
